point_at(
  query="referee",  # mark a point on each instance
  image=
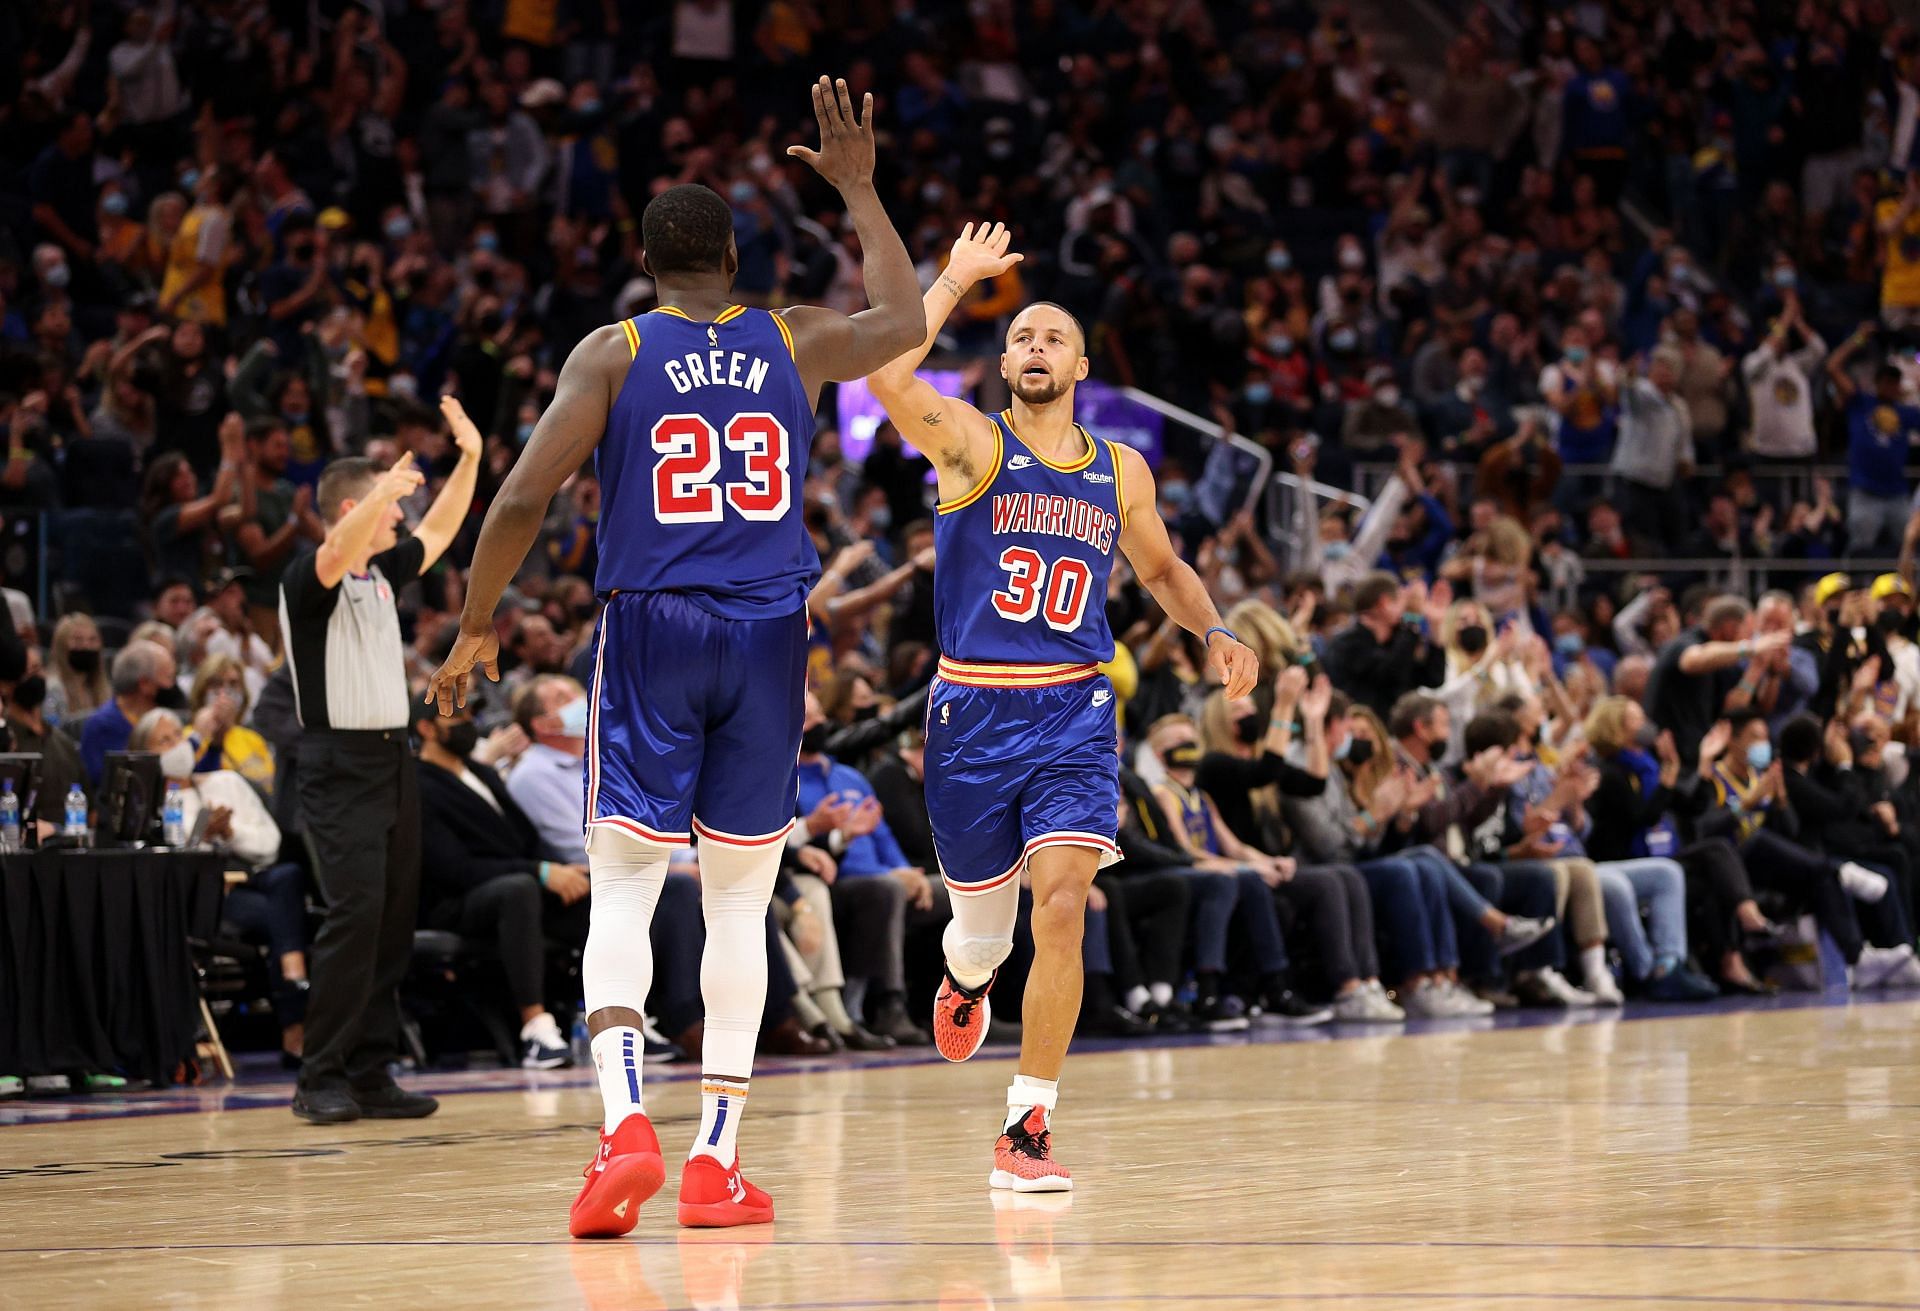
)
(356, 780)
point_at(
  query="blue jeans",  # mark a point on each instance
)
(1518, 887)
(1662, 884)
(1215, 899)
(1872, 520)
(1096, 948)
(1411, 897)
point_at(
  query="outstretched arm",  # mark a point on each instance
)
(562, 441)
(1172, 581)
(451, 507)
(833, 347)
(945, 429)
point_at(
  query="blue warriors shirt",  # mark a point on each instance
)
(1024, 556)
(698, 470)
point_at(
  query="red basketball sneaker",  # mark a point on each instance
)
(960, 1017)
(715, 1196)
(625, 1172)
(1023, 1158)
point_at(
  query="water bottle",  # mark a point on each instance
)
(9, 818)
(173, 818)
(582, 1043)
(75, 829)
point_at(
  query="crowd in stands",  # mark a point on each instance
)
(1606, 298)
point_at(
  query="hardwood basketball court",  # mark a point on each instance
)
(1754, 1158)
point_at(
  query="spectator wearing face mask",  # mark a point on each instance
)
(78, 685)
(1390, 647)
(487, 874)
(1779, 374)
(143, 678)
(26, 720)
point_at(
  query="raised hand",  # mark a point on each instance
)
(845, 157)
(1289, 686)
(981, 253)
(1318, 700)
(465, 435)
(397, 483)
(1714, 744)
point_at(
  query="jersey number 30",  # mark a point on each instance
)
(1058, 595)
(689, 450)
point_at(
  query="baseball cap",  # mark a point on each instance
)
(1831, 586)
(1887, 585)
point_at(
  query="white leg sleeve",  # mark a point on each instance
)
(627, 874)
(980, 934)
(735, 885)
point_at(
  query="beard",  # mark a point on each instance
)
(1036, 390)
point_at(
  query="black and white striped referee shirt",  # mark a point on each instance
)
(343, 643)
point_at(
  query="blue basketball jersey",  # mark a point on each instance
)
(1024, 556)
(700, 466)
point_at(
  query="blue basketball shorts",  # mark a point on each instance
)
(1012, 769)
(695, 722)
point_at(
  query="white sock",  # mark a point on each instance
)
(1027, 1093)
(735, 885)
(545, 1027)
(616, 1058)
(1862, 883)
(722, 1100)
(616, 969)
(1137, 999)
(1162, 993)
(1593, 964)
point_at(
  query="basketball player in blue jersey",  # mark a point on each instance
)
(1021, 766)
(699, 417)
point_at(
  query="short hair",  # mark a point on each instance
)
(1738, 720)
(149, 725)
(1887, 375)
(258, 430)
(526, 705)
(137, 662)
(1412, 709)
(170, 581)
(1493, 728)
(1724, 610)
(685, 229)
(1072, 318)
(1338, 705)
(1371, 589)
(1800, 739)
(1512, 703)
(349, 476)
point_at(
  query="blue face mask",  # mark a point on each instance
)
(1177, 495)
(190, 180)
(1258, 393)
(399, 228)
(1760, 756)
(1570, 645)
(1279, 261)
(488, 242)
(115, 204)
(881, 519)
(1343, 339)
(573, 718)
(1784, 279)
(523, 432)
(1333, 552)
(590, 108)
(1344, 750)
(1576, 355)
(295, 418)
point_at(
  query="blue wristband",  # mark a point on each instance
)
(1207, 636)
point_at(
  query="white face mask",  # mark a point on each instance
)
(177, 760)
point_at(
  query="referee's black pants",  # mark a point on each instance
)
(361, 804)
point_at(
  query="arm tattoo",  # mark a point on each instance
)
(933, 419)
(951, 283)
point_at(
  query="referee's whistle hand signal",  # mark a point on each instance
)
(450, 682)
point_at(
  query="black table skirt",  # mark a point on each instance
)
(95, 969)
